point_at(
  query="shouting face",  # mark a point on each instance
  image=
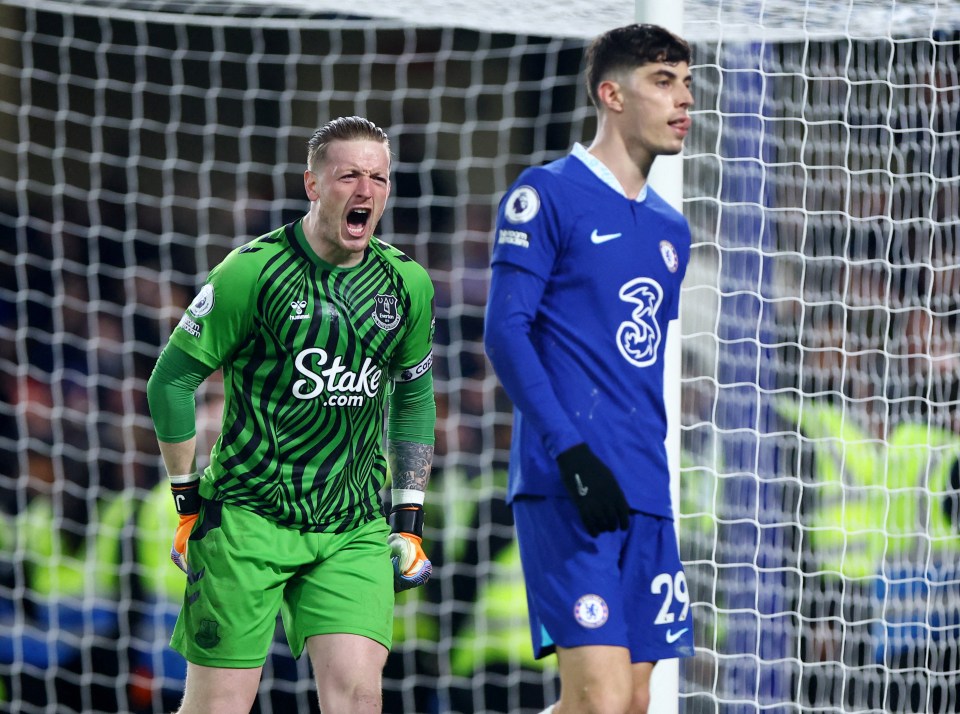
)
(348, 191)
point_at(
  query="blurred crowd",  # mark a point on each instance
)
(862, 417)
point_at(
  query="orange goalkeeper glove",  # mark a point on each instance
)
(411, 567)
(186, 496)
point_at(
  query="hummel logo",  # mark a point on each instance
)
(674, 636)
(581, 489)
(597, 238)
(298, 306)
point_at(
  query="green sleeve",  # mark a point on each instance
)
(170, 394)
(413, 411)
(220, 317)
(415, 354)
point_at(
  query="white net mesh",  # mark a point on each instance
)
(140, 141)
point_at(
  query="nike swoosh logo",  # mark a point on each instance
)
(581, 489)
(597, 238)
(674, 636)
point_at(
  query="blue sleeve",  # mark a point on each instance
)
(528, 233)
(515, 295)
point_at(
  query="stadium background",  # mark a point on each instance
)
(137, 148)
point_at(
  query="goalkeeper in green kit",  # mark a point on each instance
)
(316, 325)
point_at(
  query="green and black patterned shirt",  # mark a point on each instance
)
(308, 351)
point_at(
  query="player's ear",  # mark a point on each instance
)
(610, 95)
(310, 185)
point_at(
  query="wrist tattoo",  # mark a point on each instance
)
(410, 464)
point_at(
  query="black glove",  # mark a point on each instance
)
(594, 490)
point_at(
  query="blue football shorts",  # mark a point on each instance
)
(622, 588)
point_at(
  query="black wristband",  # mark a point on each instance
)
(407, 518)
(186, 497)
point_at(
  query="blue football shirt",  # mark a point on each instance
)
(611, 269)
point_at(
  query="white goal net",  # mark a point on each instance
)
(819, 492)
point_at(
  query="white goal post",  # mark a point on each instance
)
(816, 365)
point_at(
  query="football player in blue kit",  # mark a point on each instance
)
(587, 266)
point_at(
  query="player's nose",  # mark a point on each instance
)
(364, 185)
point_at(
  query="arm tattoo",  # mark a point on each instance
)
(410, 464)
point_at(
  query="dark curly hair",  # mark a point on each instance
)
(629, 47)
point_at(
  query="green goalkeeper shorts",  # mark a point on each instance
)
(245, 568)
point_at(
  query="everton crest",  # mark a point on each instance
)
(385, 312)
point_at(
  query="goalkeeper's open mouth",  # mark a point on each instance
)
(357, 220)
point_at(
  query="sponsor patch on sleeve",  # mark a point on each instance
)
(189, 326)
(509, 237)
(522, 205)
(203, 303)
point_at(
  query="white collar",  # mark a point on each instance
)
(603, 173)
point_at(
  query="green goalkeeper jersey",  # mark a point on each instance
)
(308, 351)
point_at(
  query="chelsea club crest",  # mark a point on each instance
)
(385, 313)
